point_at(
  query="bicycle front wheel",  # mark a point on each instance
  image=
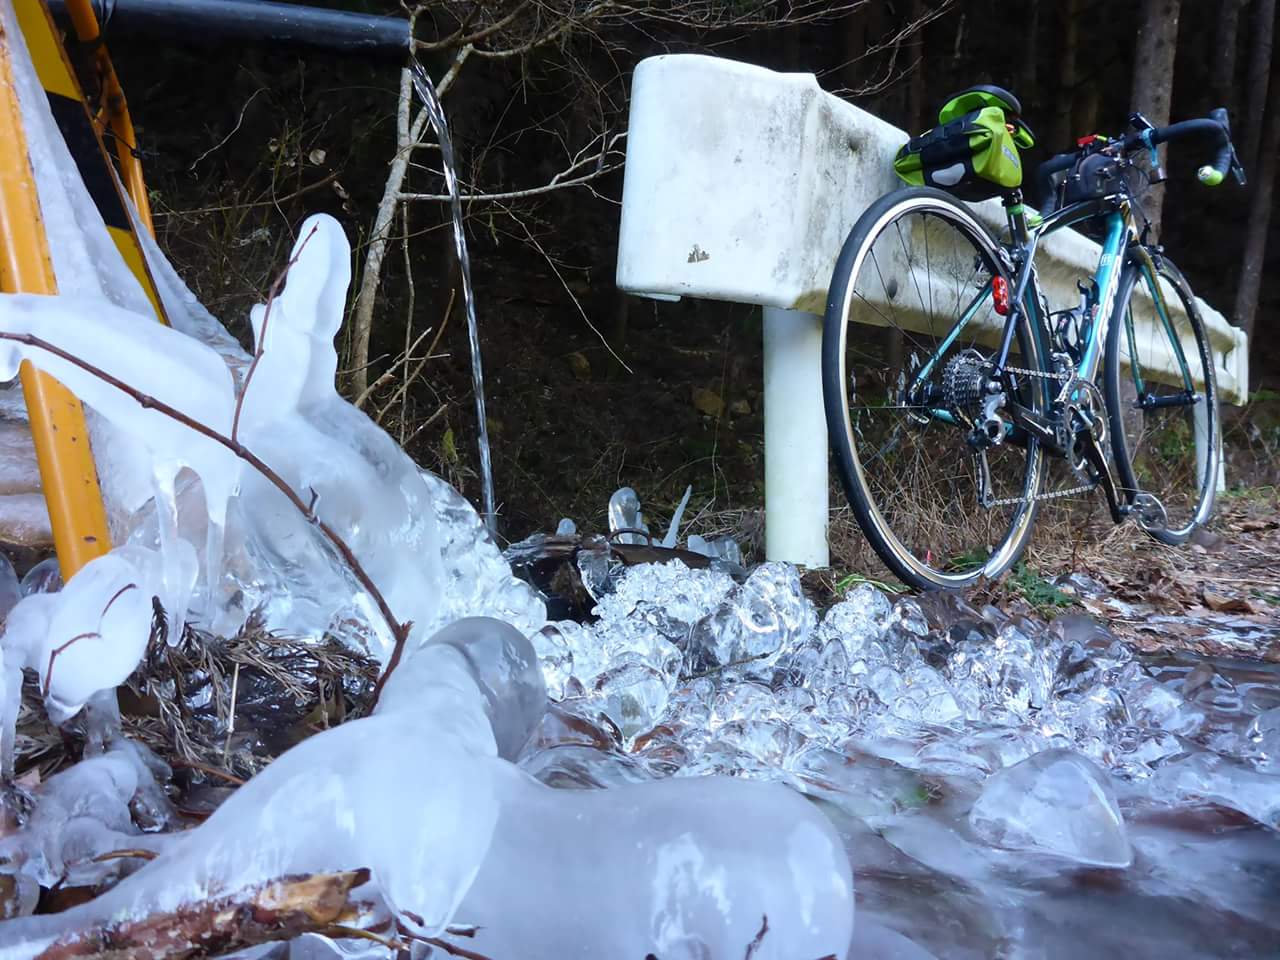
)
(1162, 400)
(908, 346)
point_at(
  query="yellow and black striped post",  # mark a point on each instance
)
(67, 473)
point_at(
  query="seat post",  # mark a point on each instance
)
(1016, 211)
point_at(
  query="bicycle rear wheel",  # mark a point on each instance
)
(1163, 408)
(908, 340)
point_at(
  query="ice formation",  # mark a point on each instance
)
(90, 635)
(423, 791)
(359, 482)
(957, 749)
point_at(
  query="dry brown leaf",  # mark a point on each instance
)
(1258, 523)
(1224, 603)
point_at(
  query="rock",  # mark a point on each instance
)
(708, 402)
(1207, 539)
(580, 365)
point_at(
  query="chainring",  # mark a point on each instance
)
(1085, 412)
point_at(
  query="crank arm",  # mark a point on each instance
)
(1027, 423)
(1098, 460)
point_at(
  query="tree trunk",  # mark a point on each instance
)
(1223, 86)
(863, 30)
(1264, 180)
(1027, 73)
(1264, 19)
(1069, 26)
(1153, 79)
(916, 109)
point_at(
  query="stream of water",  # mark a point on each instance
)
(435, 112)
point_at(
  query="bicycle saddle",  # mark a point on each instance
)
(977, 97)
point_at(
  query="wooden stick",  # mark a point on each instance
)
(277, 910)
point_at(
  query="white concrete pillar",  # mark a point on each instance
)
(795, 439)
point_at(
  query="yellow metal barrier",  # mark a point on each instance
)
(67, 473)
(113, 112)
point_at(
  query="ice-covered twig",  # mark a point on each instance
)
(452, 949)
(53, 655)
(279, 910)
(133, 853)
(399, 630)
(258, 347)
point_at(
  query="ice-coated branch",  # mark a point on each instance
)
(278, 910)
(53, 655)
(399, 630)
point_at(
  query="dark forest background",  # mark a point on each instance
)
(240, 142)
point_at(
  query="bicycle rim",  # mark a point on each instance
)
(1164, 448)
(915, 264)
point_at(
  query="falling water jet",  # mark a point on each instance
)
(435, 112)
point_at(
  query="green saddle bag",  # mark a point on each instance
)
(973, 152)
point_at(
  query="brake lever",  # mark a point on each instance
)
(1139, 122)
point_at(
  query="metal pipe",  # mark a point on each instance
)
(256, 21)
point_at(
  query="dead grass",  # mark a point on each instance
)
(220, 707)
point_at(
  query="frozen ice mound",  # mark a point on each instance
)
(419, 541)
(90, 635)
(978, 750)
(1055, 801)
(422, 794)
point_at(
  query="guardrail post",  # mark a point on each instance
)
(795, 439)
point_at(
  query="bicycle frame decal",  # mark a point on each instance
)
(1108, 279)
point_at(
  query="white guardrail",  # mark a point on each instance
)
(742, 185)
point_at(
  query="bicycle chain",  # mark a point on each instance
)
(1052, 495)
(1043, 374)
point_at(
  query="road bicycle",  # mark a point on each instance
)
(943, 423)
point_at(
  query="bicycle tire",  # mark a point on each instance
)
(1129, 453)
(916, 571)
